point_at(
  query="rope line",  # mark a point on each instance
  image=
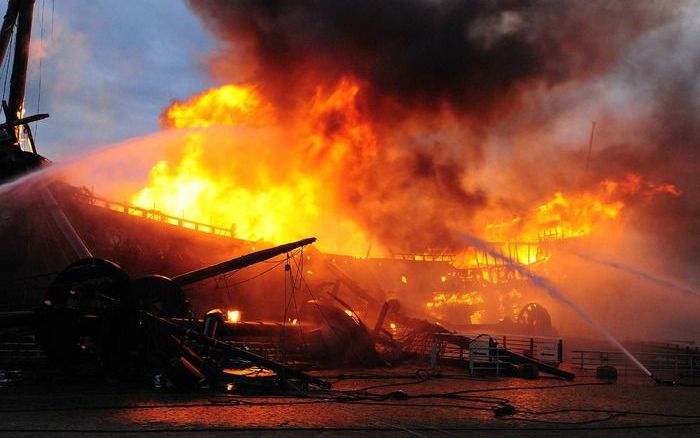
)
(41, 58)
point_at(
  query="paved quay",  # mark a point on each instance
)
(398, 402)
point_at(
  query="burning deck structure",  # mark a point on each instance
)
(311, 331)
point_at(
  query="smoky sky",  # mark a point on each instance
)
(103, 70)
(473, 56)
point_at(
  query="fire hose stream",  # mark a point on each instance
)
(64, 224)
(545, 284)
(638, 273)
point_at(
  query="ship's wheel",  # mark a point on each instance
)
(84, 309)
(89, 285)
(536, 316)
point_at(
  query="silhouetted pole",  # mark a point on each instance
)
(590, 149)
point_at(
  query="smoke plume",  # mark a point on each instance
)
(441, 83)
(473, 56)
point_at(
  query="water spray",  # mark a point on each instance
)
(545, 284)
(637, 273)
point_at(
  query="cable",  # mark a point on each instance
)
(607, 411)
(6, 74)
(357, 397)
(41, 58)
(318, 307)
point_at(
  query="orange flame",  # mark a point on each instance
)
(564, 217)
(465, 304)
(265, 206)
(227, 105)
(329, 144)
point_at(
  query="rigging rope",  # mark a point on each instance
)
(6, 61)
(294, 282)
(41, 57)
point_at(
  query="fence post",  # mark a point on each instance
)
(498, 370)
(434, 353)
(560, 351)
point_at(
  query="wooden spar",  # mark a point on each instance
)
(18, 79)
(238, 262)
(64, 225)
(10, 122)
(380, 319)
(23, 121)
(351, 284)
(8, 24)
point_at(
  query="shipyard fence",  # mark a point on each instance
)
(666, 364)
(481, 352)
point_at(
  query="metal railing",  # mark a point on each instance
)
(155, 215)
(672, 363)
(482, 352)
(20, 350)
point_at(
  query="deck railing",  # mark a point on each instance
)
(158, 216)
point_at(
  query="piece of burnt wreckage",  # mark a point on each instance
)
(78, 282)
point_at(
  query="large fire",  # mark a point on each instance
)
(332, 143)
(563, 216)
(566, 216)
(289, 190)
(264, 206)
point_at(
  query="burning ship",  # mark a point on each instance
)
(94, 273)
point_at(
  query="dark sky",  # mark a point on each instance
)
(109, 68)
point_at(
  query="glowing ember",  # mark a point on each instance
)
(233, 315)
(457, 306)
(445, 299)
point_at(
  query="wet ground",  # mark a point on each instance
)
(397, 402)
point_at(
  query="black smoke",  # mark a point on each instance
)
(472, 55)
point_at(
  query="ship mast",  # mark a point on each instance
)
(19, 12)
(8, 25)
(18, 79)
